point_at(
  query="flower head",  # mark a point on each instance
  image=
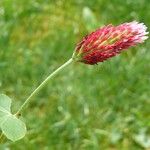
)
(109, 41)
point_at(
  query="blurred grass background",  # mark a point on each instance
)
(101, 107)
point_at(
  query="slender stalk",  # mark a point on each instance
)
(43, 84)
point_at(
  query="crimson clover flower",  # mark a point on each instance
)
(96, 47)
(109, 41)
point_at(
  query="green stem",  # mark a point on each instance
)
(43, 84)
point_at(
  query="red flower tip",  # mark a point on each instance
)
(109, 41)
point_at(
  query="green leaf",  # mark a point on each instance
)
(12, 127)
(5, 104)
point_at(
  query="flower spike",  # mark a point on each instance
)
(109, 41)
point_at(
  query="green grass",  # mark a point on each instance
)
(99, 107)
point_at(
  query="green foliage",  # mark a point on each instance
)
(5, 104)
(85, 107)
(12, 127)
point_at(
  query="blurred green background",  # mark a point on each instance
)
(101, 107)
